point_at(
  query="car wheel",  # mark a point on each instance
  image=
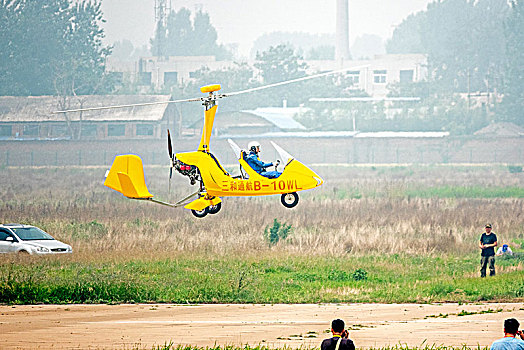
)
(289, 200)
(199, 213)
(213, 209)
(23, 252)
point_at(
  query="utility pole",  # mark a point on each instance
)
(469, 91)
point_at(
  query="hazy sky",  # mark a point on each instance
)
(243, 21)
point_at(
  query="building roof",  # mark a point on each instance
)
(347, 134)
(40, 108)
(282, 118)
(501, 129)
(402, 134)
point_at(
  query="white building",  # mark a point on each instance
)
(371, 76)
(374, 75)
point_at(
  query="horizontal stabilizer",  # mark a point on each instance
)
(127, 177)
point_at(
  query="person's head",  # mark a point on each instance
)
(488, 228)
(504, 247)
(254, 146)
(511, 326)
(337, 326)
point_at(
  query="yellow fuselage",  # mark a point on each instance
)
(295, 177)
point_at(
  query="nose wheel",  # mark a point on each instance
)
(213, 209)
(289, 200)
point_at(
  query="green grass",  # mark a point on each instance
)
(466, 192)
(415, 191)
(255, 279)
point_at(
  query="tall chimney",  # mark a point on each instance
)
(342, 40)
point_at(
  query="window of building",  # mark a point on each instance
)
(353, 77)
(144, 130)
(58, 130)
(193, 74)
(89, 130)
(170, 78)
(379, 76)
(6, 130)
(144, 78)
(406, 76)
(31, 130)
(116, 130)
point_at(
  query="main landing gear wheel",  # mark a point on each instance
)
(199, 213)
(213, 209)
(289, 200)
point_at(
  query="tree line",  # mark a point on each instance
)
(472, 46)
(54, 47)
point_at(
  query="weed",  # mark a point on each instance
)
(277, 232)
(440, 315)
(360, 275)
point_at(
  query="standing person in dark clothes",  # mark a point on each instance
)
(488, 242)
(340, 340)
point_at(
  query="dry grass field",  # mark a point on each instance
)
(359, 210)
(370, 234)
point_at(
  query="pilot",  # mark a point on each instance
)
(258, 165)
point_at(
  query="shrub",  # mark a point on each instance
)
(515, 169)
(360, 275)
(278, 231)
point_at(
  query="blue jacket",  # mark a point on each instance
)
(255, 163)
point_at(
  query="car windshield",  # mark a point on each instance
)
(31, 234)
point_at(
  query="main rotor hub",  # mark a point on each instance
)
(210, 88)
(210, 100)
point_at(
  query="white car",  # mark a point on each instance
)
(17, 238)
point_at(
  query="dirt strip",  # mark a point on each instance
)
(304, 325)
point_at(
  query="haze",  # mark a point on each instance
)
(242, 22)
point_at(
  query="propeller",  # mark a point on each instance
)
(214, 97)
(171, 158)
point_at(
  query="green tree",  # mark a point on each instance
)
(322, 52)
(30, 38)
(123, 50)
(159, 46)
(513, 101)
(51, 46)
(464, 41)
(183, 37)
(279, 63)
(81, 69)
(204, 34)
(179, 38)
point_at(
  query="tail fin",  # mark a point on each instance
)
(127, 177)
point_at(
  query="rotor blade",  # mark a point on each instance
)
(125, 106)
(169, 146)
(294, 80)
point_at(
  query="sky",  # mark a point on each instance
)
(243, 21)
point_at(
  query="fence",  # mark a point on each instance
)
(308, 150)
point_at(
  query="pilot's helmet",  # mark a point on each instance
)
(253, 146)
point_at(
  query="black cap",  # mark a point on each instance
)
(488, 226)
